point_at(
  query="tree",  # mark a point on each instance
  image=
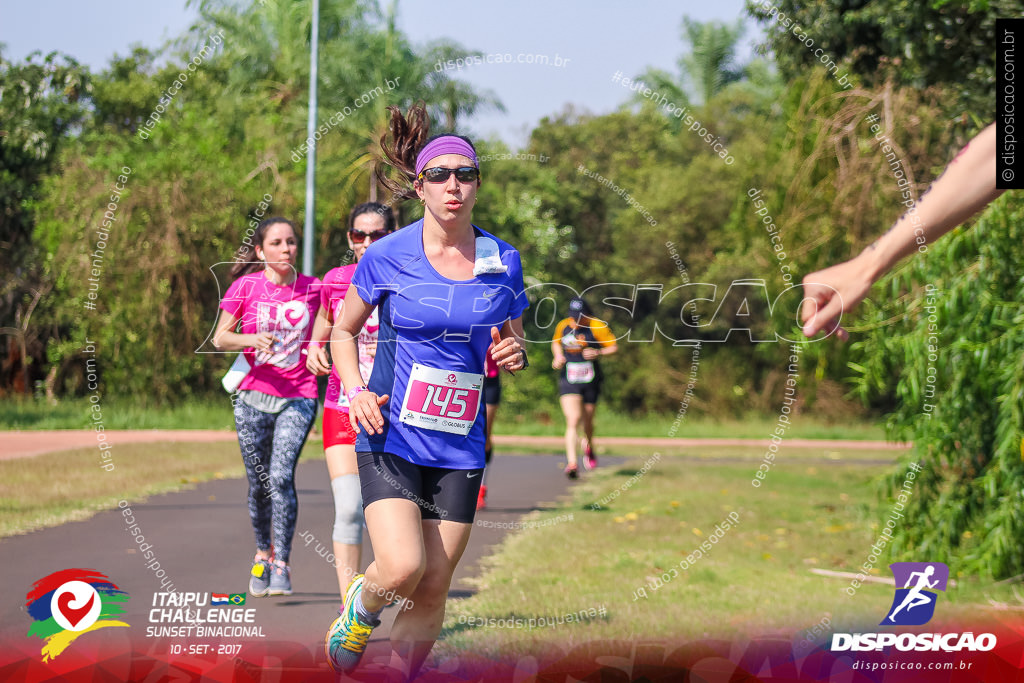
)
(915, 44)
(452, 101)
(365, 64)
(945, 361)
(706, 69)
(42, 102)
(125, 96)
(133, 227)
(710, 65)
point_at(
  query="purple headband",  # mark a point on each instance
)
(446, 144)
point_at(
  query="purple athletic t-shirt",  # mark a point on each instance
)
(438, 331)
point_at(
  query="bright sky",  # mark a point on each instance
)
(595, 39)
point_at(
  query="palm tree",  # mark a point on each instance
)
(706, 69)
(451, 100)
(711, 63)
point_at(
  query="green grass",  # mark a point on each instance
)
(824, 457)
(31, 497)
(828, 455)
(29, 414)
(755, 427)
(756, 580)
(608, 423)
(213, 413)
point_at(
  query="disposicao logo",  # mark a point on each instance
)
(914, 605)
(69, 603)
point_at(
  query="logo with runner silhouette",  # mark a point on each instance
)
(914, 603)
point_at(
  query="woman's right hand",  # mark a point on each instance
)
(558, 362)
(263, 341)
(365, 409)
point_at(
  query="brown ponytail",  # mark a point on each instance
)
(409, 134)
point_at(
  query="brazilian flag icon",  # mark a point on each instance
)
(237, 598)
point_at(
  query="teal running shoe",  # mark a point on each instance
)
(348, 635)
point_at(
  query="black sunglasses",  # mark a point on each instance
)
(360, 236)
(437, 174)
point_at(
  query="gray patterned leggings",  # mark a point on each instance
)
(270, 445)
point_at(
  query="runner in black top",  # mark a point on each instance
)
(578, 342)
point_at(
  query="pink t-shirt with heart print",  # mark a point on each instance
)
(286, 310)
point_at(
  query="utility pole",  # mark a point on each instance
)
(307, 243)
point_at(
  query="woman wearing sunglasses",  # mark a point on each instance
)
(445, 290)
(367, 223)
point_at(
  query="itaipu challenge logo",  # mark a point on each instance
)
(70, 603)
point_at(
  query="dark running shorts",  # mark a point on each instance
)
(440, 493)
(492, 391)
(589, 391)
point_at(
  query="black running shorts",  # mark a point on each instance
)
(440, 493)
(492, 391)
(589, 391)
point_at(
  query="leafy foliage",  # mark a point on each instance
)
(916, 44)
(41, 102)
(222, 143)
(947, 344)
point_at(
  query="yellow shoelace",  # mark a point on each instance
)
(356, 636)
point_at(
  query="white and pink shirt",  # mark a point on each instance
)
(332, 297)
(286, 310)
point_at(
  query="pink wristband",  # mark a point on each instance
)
(352, 393)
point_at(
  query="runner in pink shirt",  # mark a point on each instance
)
(276, 402)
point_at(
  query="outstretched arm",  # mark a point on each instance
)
(965, 188)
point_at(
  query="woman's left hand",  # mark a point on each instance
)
(507, 353)
(590, 354)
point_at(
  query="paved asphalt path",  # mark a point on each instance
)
(203, 541)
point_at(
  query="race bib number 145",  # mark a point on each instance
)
(444, 400)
